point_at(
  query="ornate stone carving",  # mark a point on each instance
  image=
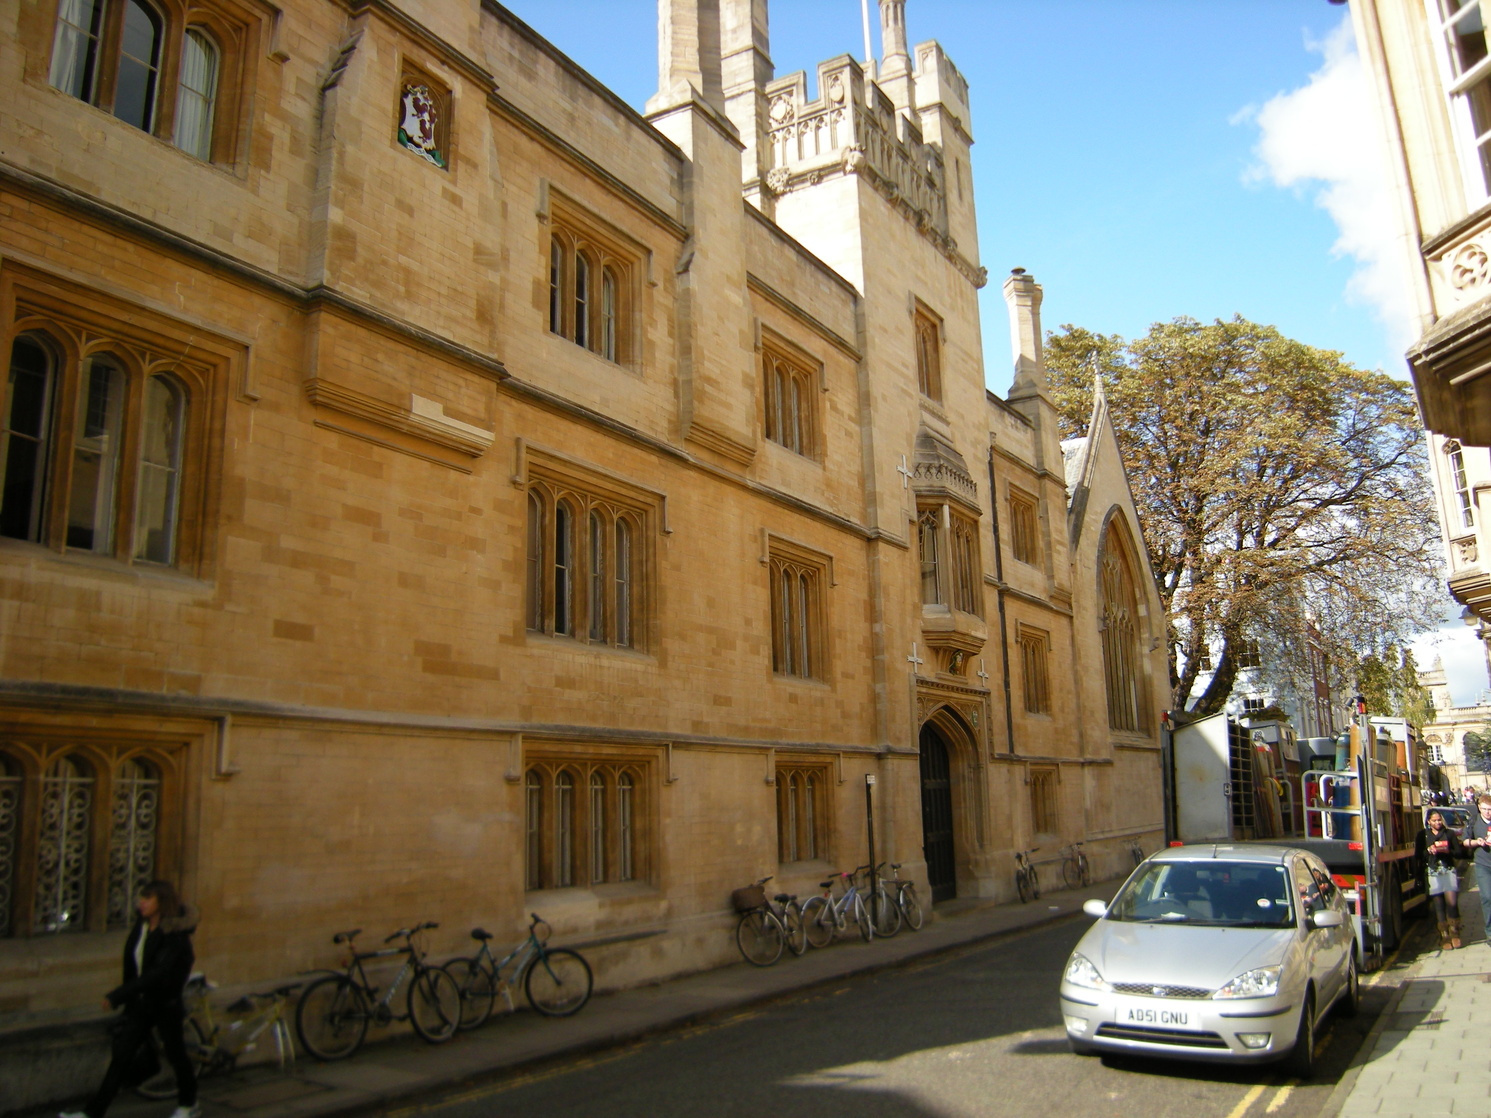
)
(778, 179)
(836, 90)
(1468, 266)
(781, 111)
(853, 159)
(1467, 554)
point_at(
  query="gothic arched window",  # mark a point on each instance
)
(1119, 625)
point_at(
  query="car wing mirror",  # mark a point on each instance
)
(1095, 908)
(1327, 918)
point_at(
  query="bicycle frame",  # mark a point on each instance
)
(528, 951)
(241, 1033)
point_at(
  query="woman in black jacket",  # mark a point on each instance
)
(1438, 847)
(158, 960)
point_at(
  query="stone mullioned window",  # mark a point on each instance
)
(102, 439)
(593, 273)
(1035, 651)
(587, 820)
(802, 811)
(799, 629)
(790, 398)
(173, 70)
(83, 826)
(947, 545)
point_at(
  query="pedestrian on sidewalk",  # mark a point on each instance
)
(158, 960)
(1438, 847)
(1479, 837)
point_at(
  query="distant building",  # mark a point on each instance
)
(1445, 736)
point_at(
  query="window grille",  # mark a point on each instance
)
(132, 838)
(63, 846)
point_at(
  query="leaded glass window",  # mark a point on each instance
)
(564, 835)
(133, 836)
(160, 471)
(1119, 635)
(196, 94)
(597, 828)
(62, 847)
(139, 65)
(582, 822)
(95, 461)
(797, 624)
(75, 47)
(10, 839)
(583, 567)
(28, 424)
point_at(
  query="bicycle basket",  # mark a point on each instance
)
(751, 897)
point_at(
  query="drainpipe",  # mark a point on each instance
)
(1004, 635)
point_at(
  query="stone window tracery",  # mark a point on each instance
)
(148, 66)
(101, 440)
(798, 627)
(1035, 649)
(1024, 528)
(592, 277)
(1044, 816)
(1120, 607)
(801, 811)
(82, 828)
(947, 546)
(582, 815)
(928, 334)
(790, 407)
(583, 587)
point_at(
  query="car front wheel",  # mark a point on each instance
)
(1301, 1058)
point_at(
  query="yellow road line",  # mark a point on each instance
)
(1248, 1100)
(1282, 1097)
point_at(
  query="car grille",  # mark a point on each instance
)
(1160, 990)
(1176, 1037)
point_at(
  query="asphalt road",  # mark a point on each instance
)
(971, 1033)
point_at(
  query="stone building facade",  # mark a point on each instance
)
(1429, 62)
(434, 490)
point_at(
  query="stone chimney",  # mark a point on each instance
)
(1023, 295)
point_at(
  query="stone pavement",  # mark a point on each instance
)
(1429, 1054)
(403, 1066)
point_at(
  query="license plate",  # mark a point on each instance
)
(1156, 1016)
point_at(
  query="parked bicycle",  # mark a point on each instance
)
(767, 924)
(215, 1042)
(825, 917)
(1136, 851)
(1027, 883)
(556, 980)
(885, 914)
(1075, 869)
(334, 1012)
(906, 900)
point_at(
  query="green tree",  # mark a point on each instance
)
(1280, 491)
(1394, 690)
(1478, 750)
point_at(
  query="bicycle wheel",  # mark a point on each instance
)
(1035, 883)
(434, 1005)
(332, 1018)
(477, 991)
(1084, 869)
(911, 908)
(885, 914)
(862, 919)
(1022, 884)
(1071, 872)
(797, 933)
(558, 984)
(760, 937)
(817, 922)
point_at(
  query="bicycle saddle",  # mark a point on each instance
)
(346, 937)
(782, 898)
(825, 884)
(480, 933)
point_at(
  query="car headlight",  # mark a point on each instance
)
(1260, 983)
(1081, 972)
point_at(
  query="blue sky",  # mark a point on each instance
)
(1144, 159)
(1115, 153)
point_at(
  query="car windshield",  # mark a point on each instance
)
(1214, 893)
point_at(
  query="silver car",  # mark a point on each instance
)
(1229, 953)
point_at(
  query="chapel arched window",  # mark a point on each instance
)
(196, 94)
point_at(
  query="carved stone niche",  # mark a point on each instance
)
(1467, 554)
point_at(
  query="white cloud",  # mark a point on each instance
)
(1323, 139)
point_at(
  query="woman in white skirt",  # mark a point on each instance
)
(1439, 846)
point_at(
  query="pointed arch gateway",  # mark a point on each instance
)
(944, 743)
